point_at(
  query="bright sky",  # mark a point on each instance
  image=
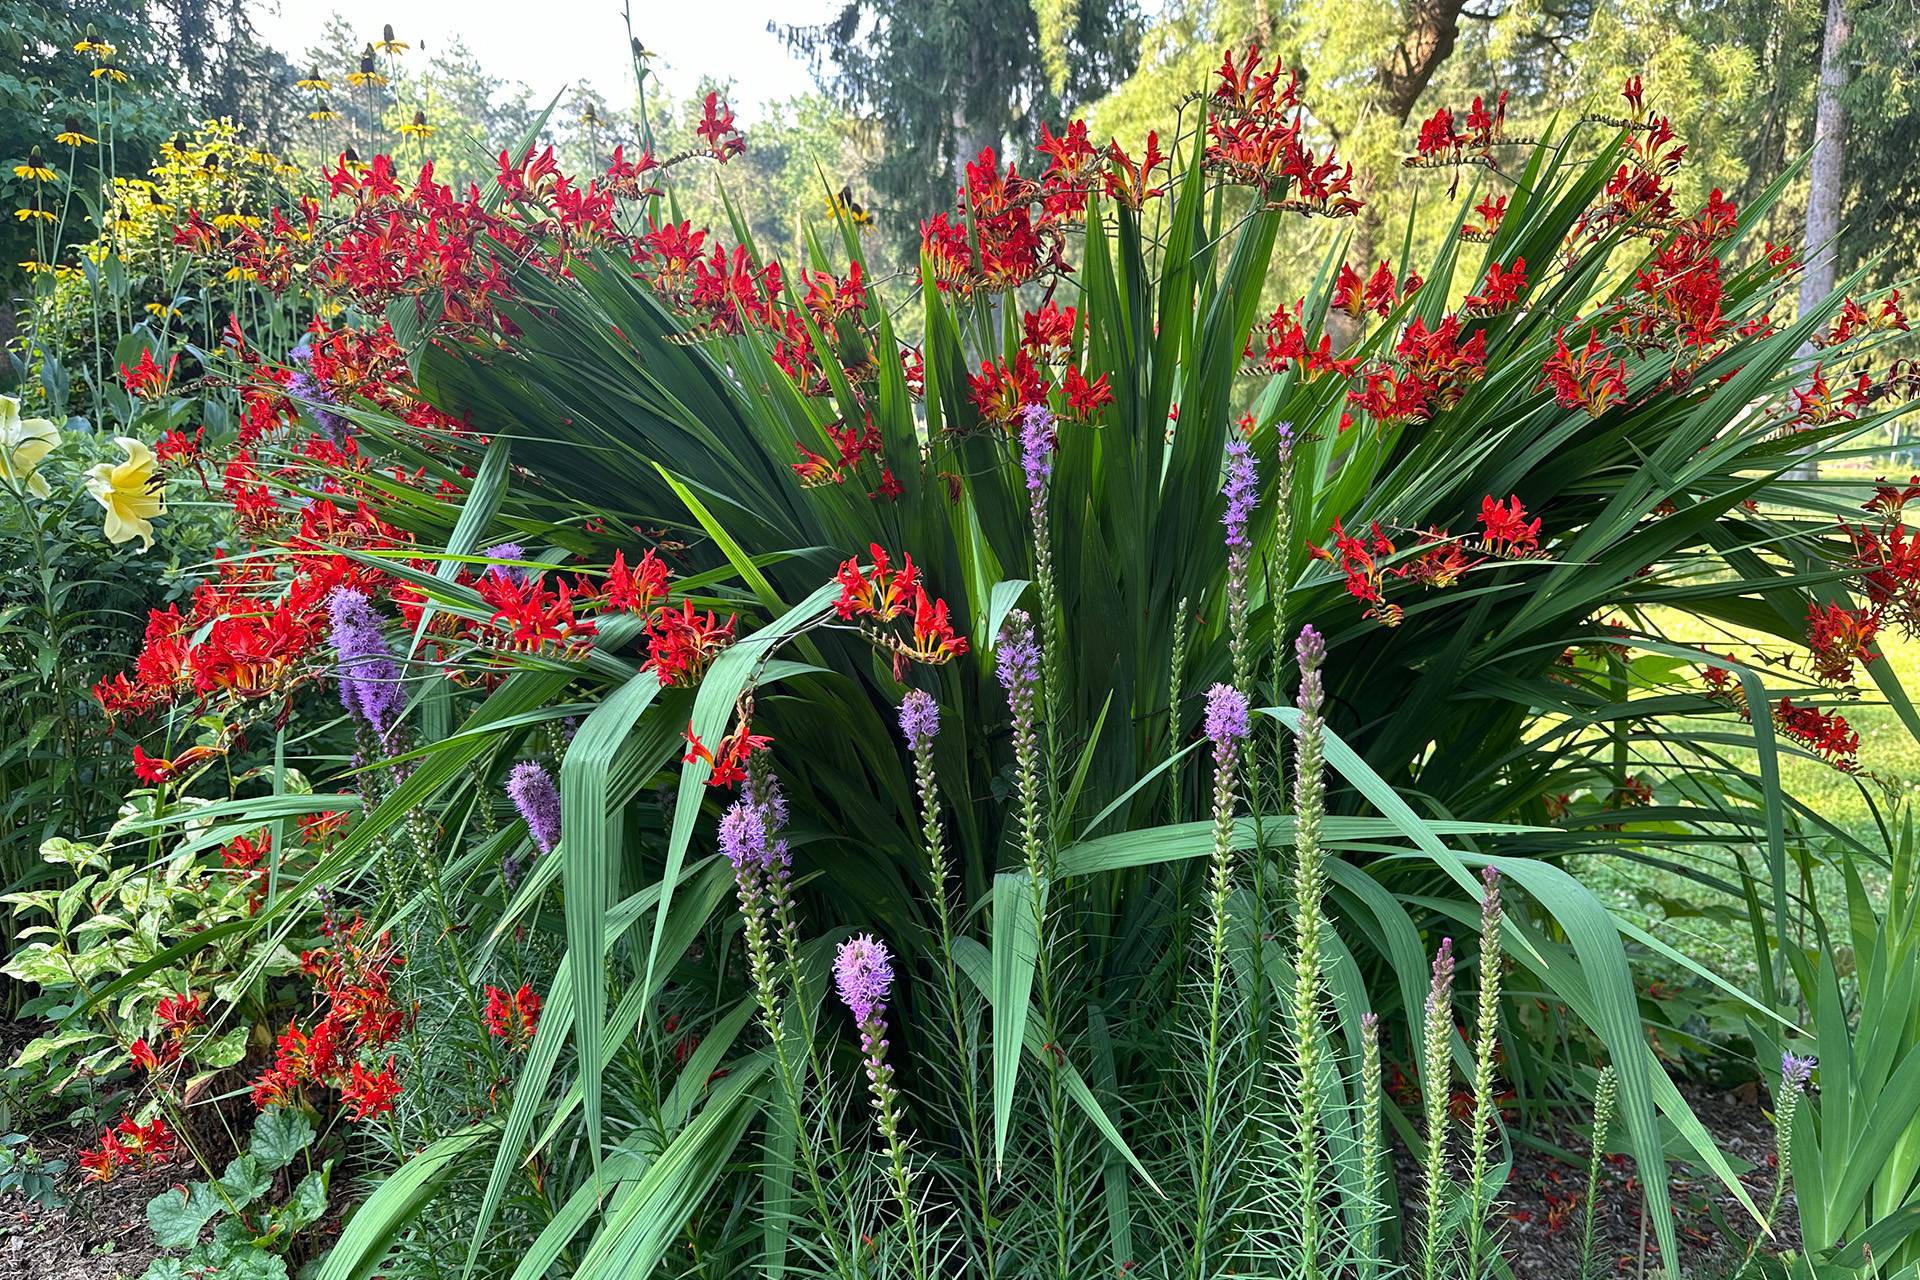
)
(548, 44)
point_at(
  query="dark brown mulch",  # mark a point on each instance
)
(1545, 1202)
(101, 1235)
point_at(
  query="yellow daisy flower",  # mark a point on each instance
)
(36, 168)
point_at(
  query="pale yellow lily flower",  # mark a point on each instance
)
(130, 492)
(24, 444)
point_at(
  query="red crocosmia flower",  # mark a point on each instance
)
(535, 616)
(147, 378)
(1838, 638)
(881, 593)
(639, 589)
(1588, 380)
(1085, 399)
(1356, 560)
(1490, 212)
(1128, 183)
(142, 1145)
(513, 1018)
(1635, 94)
(177, 448)
(179, 1014)
(318, 829)
(370, 1094)
(814, 471)
(1825, 733)
(1001, 391)
(151, 769)
(1500, 290)
(716, 129)
(943, 243)
(150, 1059)
(934, 641)
(681, 643)
(1048, 329)
(1505, 528)
(103, 1161)
(275, 1088)
(243, 853)
(1442, 564)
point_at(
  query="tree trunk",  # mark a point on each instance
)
(1826, 177)
(1433, 28)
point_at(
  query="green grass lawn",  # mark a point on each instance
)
(1715, 933)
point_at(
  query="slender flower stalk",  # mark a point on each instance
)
(1241, 490)
(1277, 568)
(1486, 1036)
(1017, 660)
(1037, 442)
(1227, 728)
(1796, 1073)
(1309, 888)
(920, 725)
(1370, 1149)
(863, 974)
(1437, 1074)
(1603, 1095)
(748, 844)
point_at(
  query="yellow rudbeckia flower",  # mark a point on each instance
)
(130, 492)
(24, 444)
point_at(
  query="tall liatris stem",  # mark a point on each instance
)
(1277, 569)
(1017, 659)
(1486, 1037)
(863, 974)
(919, 724)
(1241, 489)
(1796, 1072)
(1036, 460)
(1437, 1074)
(1226, 729)
(1370, 1106)
(1309, 887)
(747, 844)
(1603, 1094)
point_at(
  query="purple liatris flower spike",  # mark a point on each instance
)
(1440, 993)
(743, 834)
(1241, 489)
(1036, 446)
(370, 680)
(1311, 650)
(506, 551)
(1017, 657)
(1796, 1070)
(919, 719)
(1226, 715)
(863, 974)
(536, 799)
